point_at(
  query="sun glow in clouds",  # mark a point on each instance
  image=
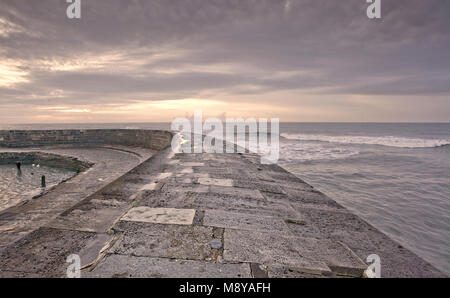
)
(11, 72)
(65, 110)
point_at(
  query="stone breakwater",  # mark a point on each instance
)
(199, 215)
(152, 139)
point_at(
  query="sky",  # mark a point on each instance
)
(155, 60)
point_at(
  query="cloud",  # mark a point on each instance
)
(122, 52)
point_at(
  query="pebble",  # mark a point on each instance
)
(216, 243)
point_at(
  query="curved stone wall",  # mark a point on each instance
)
(44, 159)
(151, 139)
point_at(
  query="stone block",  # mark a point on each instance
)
(192, 164)
(218, 182)
(168, 241)
(43, 252)
(236, 191)
(307, 255)
(243, 221)
(163, 176)
(160, 215)
(147, 267)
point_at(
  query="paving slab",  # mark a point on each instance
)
(44, 251)
(236, 191)
(303, 254)
(312, 198)
(282, 272)
(93, 216)
(147, 267)
(169, 241)
(150, 186)
(243, 221)
(163, 176)
(163, 199)
(233, 203)
(218, 182)
(186, 171)
(268, 249)
(93, 248)
(18, 274)
(339, 225)
(175, 188)
(192, 164)
(259, 185)
(160, 215)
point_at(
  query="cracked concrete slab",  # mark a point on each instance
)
(269, 249)
(91, 217)
(304, 254)
(44, 251)
(160, 215)
(145, 267)
(90, 253)
(168, 241)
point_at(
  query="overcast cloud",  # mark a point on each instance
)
(299, 60)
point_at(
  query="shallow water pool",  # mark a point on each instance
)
(16, 187)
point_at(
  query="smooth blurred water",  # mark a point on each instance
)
(14, 188)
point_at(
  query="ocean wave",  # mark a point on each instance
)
(391, 141)
(306, 152)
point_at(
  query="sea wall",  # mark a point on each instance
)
(151, 139)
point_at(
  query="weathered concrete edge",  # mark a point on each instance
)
(151, 139)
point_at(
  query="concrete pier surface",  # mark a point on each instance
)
(192, 215)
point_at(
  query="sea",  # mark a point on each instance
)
(396, 176)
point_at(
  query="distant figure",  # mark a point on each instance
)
(43, 181)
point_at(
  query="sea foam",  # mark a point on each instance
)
(391, 141)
